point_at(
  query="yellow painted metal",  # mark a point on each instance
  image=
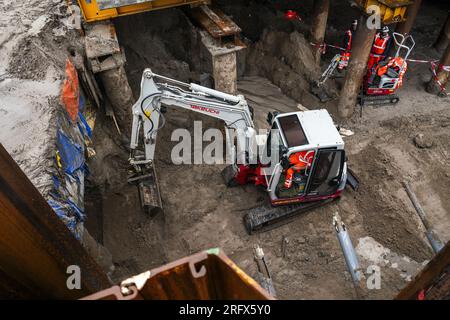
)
(91, 11)
(391, 11)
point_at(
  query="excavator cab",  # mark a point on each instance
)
(312, 137)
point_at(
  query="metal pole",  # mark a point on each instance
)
(319, 25)
(411, 14)
(36, 248)
(264, 277)
(347, 248)
(432, 238)
(357, 68)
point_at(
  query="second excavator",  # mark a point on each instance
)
(307, 165)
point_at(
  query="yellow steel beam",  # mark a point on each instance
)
(391, 11)
(92, 12)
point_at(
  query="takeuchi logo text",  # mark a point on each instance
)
(205, 109)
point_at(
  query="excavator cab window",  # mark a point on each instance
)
(292, 131)
(327, 172)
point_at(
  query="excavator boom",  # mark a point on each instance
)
(148, 118)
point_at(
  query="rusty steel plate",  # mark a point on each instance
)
(208, 275)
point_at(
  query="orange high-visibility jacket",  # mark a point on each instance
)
(299, 161)
(380, 44)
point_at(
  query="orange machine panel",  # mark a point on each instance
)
(97, 10)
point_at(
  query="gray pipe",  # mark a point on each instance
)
(433, 239)
(347, 248)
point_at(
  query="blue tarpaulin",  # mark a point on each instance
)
(61, 209)
(67, 196)
(84, 126)
(71, 153)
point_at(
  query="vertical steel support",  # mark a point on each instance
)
(357, 68)
(36, 248)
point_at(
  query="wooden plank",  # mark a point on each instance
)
(217, 23)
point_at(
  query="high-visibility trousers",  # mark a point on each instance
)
(373, 61)
(290, 175)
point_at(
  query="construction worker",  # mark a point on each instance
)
(298, 162)
(347, 45)
(379, 48)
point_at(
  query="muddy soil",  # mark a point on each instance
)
(34, 45)
(200, 212)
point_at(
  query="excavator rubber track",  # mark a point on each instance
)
(268, 217)
(378, 100)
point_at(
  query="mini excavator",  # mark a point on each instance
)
(382, 81)
(309, 132)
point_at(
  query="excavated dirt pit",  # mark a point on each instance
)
(201, 212)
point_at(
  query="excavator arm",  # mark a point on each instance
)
(233, 110)
(148, 118)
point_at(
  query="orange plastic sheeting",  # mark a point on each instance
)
(70, 95)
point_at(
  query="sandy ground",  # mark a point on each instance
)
(33, 51)
(200, 212)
